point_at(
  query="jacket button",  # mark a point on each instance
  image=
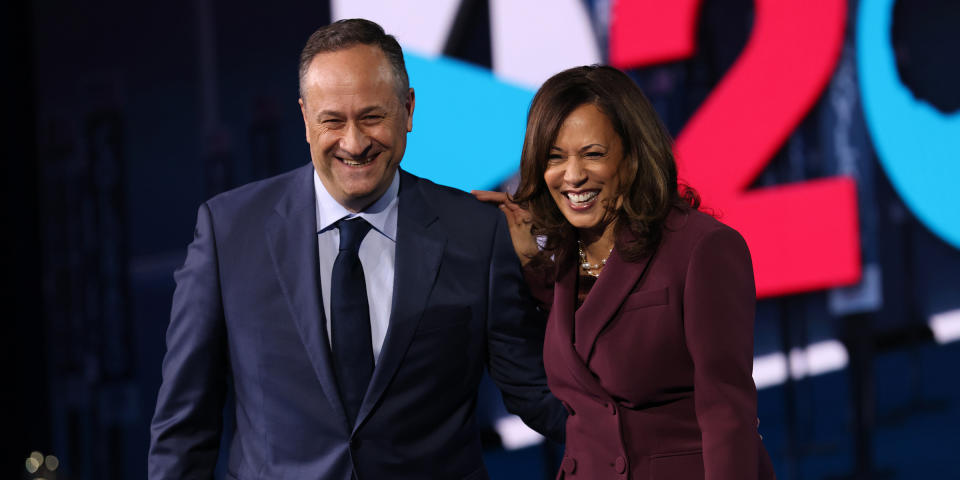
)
(569, 465)
(620, 465)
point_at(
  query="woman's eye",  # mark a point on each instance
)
(595, 154)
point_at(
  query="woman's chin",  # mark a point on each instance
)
(583, 221)
(587, 216)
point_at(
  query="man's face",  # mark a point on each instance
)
(355, 122)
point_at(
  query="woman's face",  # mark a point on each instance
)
(582, 167)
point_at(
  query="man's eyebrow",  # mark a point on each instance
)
(329, 113)
(371, 108)
(362, 112)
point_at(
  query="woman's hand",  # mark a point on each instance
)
(518, 219)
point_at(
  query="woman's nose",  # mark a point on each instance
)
(574, 174)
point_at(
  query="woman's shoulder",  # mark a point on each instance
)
(690, 222)
(684, 229)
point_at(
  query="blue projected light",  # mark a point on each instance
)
(467, 125)
(918, 146)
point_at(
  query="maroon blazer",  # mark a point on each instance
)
(655, 366)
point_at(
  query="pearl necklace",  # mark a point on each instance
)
(591, 269)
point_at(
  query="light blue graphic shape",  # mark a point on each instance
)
(918, 146)
(467, 125)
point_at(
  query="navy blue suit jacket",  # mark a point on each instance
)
(247, 315)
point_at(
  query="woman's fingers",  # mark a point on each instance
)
(511, 217)
(489, 196)
(515, 213)
(518, 220)
(520, 215)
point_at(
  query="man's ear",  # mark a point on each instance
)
(303, 113)
(409, 108)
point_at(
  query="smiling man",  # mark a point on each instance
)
(357, 113)
(349, 306)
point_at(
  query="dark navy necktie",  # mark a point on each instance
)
(350, 318)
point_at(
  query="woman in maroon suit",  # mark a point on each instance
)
(649, 342)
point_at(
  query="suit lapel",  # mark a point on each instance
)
(420, 243)
(292, 239)
(608, 293)
(562, 315)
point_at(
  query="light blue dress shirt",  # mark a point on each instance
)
(377, 253)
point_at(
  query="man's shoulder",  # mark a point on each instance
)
(451, 202)
(463, 216)
(261, 193)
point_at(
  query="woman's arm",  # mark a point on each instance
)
(538, 269)
(718, 303)
(519, 222)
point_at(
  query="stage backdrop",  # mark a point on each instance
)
(826, 131)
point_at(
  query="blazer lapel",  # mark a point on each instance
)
(607, 294)
(420, 244)
(560, 333)
(292, 240)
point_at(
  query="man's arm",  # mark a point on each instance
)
(515, 342)
(185, 432)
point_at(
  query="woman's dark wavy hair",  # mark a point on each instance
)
(648, 173)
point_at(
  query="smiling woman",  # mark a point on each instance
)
(581, 170)
(649, 342)
(596, 120)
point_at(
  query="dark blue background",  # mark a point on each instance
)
(109, 149)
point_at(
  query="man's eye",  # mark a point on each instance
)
(331, 122)
(373, 118)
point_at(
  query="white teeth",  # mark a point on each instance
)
(582, 197)
(354, 163)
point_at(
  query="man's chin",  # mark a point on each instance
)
(360, 195)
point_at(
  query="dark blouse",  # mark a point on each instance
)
(584, 284)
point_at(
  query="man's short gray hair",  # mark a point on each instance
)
(347, 33)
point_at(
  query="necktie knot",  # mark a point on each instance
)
(352, 232)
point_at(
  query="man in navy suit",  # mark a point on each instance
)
(350, 306)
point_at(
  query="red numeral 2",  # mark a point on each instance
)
(803, 236)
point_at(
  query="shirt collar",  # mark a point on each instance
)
(382, 214)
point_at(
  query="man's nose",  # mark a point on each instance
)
(354, 141)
